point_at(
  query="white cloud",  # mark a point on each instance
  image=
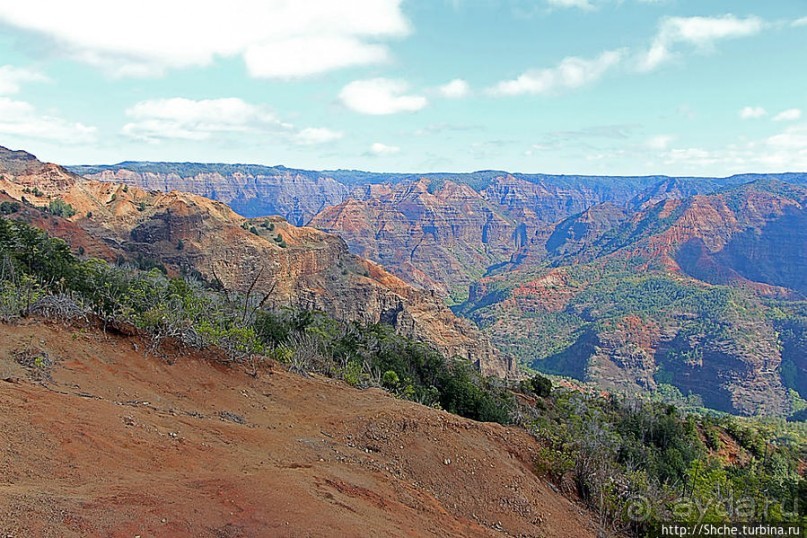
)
(300, 57)
(276, 38)
(701, 32)
(660, 142)
(753, 112)
(382, 149)
(316, 135)
(179, 118)
(456, 89)
(380, 96)
(22, 120)
(785, 151)
(188, 119)
(581, 4)
(800, 22)
(571, 73)
(11, 78)
(791, 114)
(792, 138)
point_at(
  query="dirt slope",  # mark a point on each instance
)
(111, 441)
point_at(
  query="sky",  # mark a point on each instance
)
(606, 87)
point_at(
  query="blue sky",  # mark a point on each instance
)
(679, 87)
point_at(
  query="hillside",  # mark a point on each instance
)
(299, 267)
(117, 442)
(689, 295)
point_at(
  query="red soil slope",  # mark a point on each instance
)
(111, 441)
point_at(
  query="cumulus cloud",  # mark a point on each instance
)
(784, 151)
(178, 118)
(456, 89)
(316, 135)
(300, 57)
(569, 74)
(380, 96)
(382, 149)
(792, 138)
(276, 38)
(753, 112)
(700, 32)
(22, 120)
(12, 78)
(791, 114)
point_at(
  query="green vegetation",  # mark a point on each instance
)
(638, 462)
(60, 208)
(614, 308)
(612, 452)
(8, 208)
(35, 191)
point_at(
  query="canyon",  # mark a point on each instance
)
(536, 261)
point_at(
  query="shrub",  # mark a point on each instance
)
(390, 379)
(539, 385)
(60, 208)
(7, 208)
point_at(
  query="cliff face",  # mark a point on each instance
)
(293, 196)
(302, 266)
(444, 235)
(438, 238)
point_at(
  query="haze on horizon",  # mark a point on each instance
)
(606, 87)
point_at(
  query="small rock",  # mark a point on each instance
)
(447, 461)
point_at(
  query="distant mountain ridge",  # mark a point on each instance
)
(254, 183)
(440, 231)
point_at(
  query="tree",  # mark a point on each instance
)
(60, 208)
